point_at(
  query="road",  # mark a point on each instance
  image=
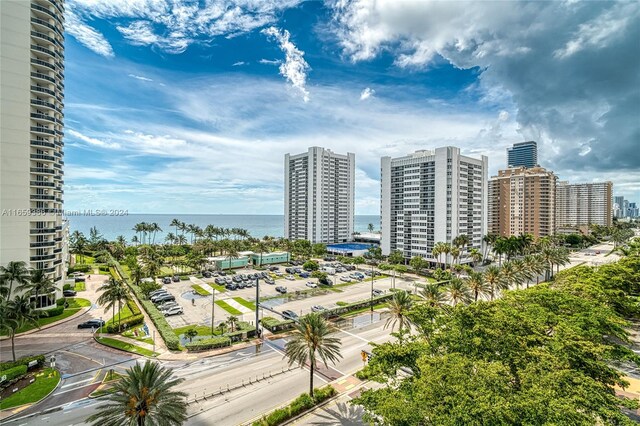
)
(233, 369)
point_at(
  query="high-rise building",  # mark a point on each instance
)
(319, 188)
(584, 204)
(523, 154)
(618, 206)
(432, 196)
(31, 119)
(522, 201)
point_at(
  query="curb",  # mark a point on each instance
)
(53, 324)
(122, 350)
(34, 403)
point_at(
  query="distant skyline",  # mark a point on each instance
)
(189, 107)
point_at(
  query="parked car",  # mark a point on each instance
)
(350, 268)
(163, 298)
(279, 273)
(231, 286)
(305, 275)
(176, 310)
(269, 281)
(215, 273)
(166, 280)
(94, 323)
(69, 293)
(175, 278)
(345, 279)
(241, 284)
(167, 305)
(288, 314)
(219, 280)
(281, 289)
(222, 273)
(160, 290)
(329, 258)
(274, 268)
(290, 277)
(340, 269)
(311, 284)
(289, 270)
(376, 292)
(318, 308)
(207, 274)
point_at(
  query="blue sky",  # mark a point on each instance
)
(189, 107)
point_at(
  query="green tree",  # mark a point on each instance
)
(477, 285)
(233, 322)
(19, 313)
(399, 306)
(311, 265)
(370, 227)
(319, 249)
(16, 272)
(113, 293)
(191, 333)
(311, 341)
(458, 291)
(38, 285)
(144, 396)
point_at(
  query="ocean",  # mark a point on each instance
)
(257, 225)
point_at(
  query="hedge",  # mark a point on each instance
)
(78, 268)
(53, 312)
(126, 323)
(299, 405)
(158, 319)
(66, 287)
(273, 324)
(212, 343)
(60, 302)
(12, 373)
(355, 306)
(22, 361)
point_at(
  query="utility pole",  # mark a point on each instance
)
(213, 305)
(372, 279)
(257, 306)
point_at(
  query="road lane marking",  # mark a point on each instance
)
(71, 390)
(76, 383)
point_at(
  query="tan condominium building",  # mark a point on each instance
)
(583, 204)
(31, 127)
(522, 201)
(319, 188)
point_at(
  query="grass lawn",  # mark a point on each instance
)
(74, 306)
(224, 305)
(141, 336)
(85, 260)
(46, 381)
(165, 270)
(80, 286)
(201, 291)
(125, 313)
(113, 343)
(218, 287)
(203, 330)
(245, 303)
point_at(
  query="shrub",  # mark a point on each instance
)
(212, 343)
(22, 361)
(78, 268)
(54, 312)
(158, 319)
(346, 308)
(299, 405)
(66, 287)
(277, 416)
(14, 373)
(323, 394)
(273, 324)
(61, 301)
(126, 323)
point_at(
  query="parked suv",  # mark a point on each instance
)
(288, 314)
(175, 310)
(94, 323)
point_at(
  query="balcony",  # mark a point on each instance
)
(42, 257)
(43, 37)
(43, 170)
(42, 231)
(45, 144)
(42, 197)
(42, 183)
(44, 117)
(43, 90)
(44, 130)
(42, 244)
(42, 157)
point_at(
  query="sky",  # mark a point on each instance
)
(180, 106)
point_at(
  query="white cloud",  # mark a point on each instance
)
(87, 35)
(239, 64)
(295, 68)
(367, 93)
(270, 62)
(93, 141)
(139, 77)
(173, 25)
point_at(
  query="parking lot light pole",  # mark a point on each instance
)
(372, 278)
(213, 306)
(257, 306)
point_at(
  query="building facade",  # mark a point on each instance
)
(522, 201)
(523, 154)
(319, 188)
(584, 204)
(31, 169)
(432, 196)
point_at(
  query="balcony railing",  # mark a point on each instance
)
(46, 144)
(42, 130)
(42, 231)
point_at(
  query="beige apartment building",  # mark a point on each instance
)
(522, 201)
(31, 129)
(583, 204)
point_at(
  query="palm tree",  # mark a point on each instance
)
(493, 278)
(477, 285)
(15, 272)
(136, 272)
(455, 254)
(434, 296)
(176, 223)
(232, 251)
(38, 284)
(510, 274)
(112, 294)
(144, 396)
(457, 292)
(262, 247)
(399, 306)
(310, 341)
(233, 322)
(370, 227)
(20, 312)
(475, 255)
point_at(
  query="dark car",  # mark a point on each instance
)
(281, 289)
(69, 293)
(162, 298)
(94, 323)
(241, 284)
(274, 268)
(305, 275)
(166, 280)
(288, 314)
(376, 292)
(207, 274)
(175, 278)
(289, 270)
(222, 273)
(231, 286)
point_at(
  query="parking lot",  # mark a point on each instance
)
(197, 308)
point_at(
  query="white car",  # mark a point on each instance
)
(311, 284)
(279, 273)
(290, 277)
(175, 310)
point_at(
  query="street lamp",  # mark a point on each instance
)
(213, 305)
(372, 278)
(257, 306)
